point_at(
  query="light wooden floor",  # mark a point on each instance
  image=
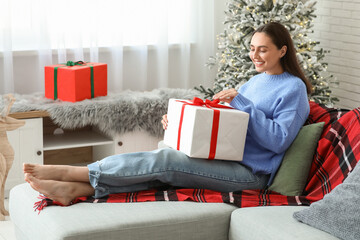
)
(7, 227)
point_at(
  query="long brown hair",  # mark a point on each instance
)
(280, 37)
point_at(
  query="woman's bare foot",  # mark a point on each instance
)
(63, 192)
(44, 172)
(57, 172)
(55, 190)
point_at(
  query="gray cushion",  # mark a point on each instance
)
(272, 223)
(339, 211)
(149, 220)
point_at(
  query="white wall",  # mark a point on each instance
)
(337, 27)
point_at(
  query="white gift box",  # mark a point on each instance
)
(196, 130)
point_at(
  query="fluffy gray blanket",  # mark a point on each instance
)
(116, 113)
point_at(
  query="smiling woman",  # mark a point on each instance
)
(276, 99)
(278, 106)
(145, 42)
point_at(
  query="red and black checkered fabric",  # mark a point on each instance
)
(337, 153)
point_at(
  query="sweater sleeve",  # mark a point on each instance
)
(276, 133)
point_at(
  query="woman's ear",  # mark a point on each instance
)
(283, 51)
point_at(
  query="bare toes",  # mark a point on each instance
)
(28, 167)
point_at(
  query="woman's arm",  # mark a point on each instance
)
(276, 133)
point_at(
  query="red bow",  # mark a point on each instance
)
(210, 104)
(215, 126)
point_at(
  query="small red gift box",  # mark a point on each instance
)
(75, 81)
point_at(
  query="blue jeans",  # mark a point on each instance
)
(131, 172)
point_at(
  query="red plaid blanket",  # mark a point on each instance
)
(337, 154)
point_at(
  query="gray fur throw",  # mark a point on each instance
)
(114, 114)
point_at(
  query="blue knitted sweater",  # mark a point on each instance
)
(278, 107)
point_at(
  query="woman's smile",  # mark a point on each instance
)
(258, 64)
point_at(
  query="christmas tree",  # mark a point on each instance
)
(242, 18)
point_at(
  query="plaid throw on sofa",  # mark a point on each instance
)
(336, 156)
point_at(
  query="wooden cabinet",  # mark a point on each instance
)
(75, 147)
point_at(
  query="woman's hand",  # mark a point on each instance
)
(164, 121)
(226, 95)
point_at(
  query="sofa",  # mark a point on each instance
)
(326, 208)
(155, 220)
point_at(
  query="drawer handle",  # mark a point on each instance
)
(38, 153)
(120, 143)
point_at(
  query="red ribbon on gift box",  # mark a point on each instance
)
(216, 117)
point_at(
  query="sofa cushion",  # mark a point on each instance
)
(339, 211)
(147, 220)
(272, 223)
(291, 177)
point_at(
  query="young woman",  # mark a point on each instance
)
(277, 102)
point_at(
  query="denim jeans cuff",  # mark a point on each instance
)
(94, 176)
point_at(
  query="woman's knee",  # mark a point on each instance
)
(169, 158)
